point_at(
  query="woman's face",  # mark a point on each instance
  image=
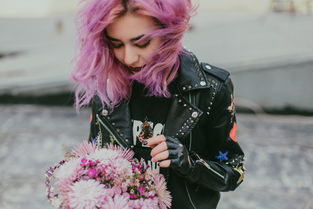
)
(122, 34)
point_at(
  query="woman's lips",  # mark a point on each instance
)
(135, 69)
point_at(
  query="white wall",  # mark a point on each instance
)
(36, 8)
(258, 6)
(40, 8)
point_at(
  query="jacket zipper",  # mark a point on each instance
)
(111, 133)
(210, 168)
(189, 197)
(190, 143)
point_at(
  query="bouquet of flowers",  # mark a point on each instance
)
(105, 178)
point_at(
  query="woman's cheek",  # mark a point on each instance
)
(118, 55)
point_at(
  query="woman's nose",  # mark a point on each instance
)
(130, 56)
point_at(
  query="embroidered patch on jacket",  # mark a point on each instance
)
(231, 108)
(232, 133)
(94, 140)
(241, 171)
(222, 156)
(236, 162)
(90, 117)
(146, 131)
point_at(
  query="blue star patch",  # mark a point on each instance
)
(222, 156)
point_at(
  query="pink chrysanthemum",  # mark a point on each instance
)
(122, 167)
(163, 194)
(144, 204)
(68, 169)
(84, 149)
(118, 202)
(150, 204)
(86, 194)
(125, 153)
(104, 155)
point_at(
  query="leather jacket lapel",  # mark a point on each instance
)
(182, 117)
(183, 114)
(119, 122)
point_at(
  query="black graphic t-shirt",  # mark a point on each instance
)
(148, 114)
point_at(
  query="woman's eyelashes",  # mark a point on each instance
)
(139, 45)
(116, 46)
(144, 45)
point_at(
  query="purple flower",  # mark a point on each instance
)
(133, 196)
(83, 162)
(91, 172)
(141, 190)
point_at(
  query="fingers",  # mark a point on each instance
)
(166, 151)
(152, 142)
(165, 164)
(159, 148)
(167, 156)
(160, 156)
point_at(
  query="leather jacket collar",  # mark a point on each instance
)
(190, 76)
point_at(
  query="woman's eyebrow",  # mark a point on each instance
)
(132, 39)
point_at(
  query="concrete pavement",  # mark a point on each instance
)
(278, 152)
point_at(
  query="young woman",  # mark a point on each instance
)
(152, 96)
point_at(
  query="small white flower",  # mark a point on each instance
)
(56, 202)
(103, 155)
(67, 169)
(123, 167)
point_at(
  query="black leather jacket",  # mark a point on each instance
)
(202, 117)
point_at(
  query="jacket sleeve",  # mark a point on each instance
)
(222, 170)
(94, 129)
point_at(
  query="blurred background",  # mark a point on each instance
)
(267, 45)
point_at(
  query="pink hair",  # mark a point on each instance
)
(98, 72)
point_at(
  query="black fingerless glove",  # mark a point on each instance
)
(179, 156)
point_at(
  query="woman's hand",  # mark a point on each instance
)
(159, 150)
(169, 152)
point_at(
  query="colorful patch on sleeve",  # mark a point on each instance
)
(232, 109)
(232, 133)
(222, 156)
(90, 117)
(241, 171)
